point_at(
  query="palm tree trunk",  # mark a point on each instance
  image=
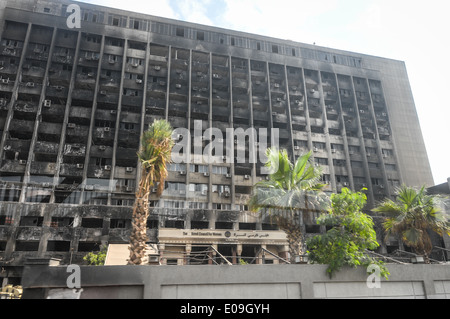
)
(141, 210)
(294, 237)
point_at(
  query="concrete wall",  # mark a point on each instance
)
(417, 281)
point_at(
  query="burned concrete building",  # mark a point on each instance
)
(74, 102)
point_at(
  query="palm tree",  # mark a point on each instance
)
(411, 215)
(290, 191)
(154, 155)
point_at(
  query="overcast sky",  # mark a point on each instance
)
(413, 31)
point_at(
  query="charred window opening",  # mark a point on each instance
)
(31, 221)
(92, 223)
(56, 245)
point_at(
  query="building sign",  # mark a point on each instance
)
(211, 236)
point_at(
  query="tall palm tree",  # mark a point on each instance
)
(154, 155)
(291, 190)
(412, 215)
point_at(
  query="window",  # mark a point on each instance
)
(200, 35)
(321, 161)
(47, 10)
(233, 41)
(258, 46)
(198, 168)
(293, 52)
(198, 205)
(180, 32)
(274, 48)
(221, 170)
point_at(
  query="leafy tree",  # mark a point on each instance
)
(154, 155)
(98, 258)
(291, 190)
(350, 236)
(412, 215)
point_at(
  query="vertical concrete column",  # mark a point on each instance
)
(327, 134)
(62, 140)
(210, 125)
(143, 108)
(377, 140)
(169, 66)
(344, 136)
(362, 146)
(92, 123)
(117, 128)
(308, 120)
(269, 91)
(231, 104)
(250, 105)
(289, 115)
(189, 144)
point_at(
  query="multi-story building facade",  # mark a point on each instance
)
(74, 102)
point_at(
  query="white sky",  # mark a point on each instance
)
(413, 31)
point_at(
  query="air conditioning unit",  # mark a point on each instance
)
(206, 174)
(182, 192)
(46, 185)
(134, 65)
(315, 149)
(102, 147)
(278, 99)
(107, 167)
(89, 187)
(129, 169)
(226, 194)
(182, 172)
(204, 192)
(154, 190)
(30, 84)
(157, 67)
(296, 148)
(333, 150)
(102, 92)
(246, 176)
(129, 189)
(138, 81)
(113, 112)
(153, 259)
(216, 76)
(47, 103)
(276, 85)
(345, 184)
(71, 125)
(178, 86)
(107, 129)
(80, 166)
(228, 175)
